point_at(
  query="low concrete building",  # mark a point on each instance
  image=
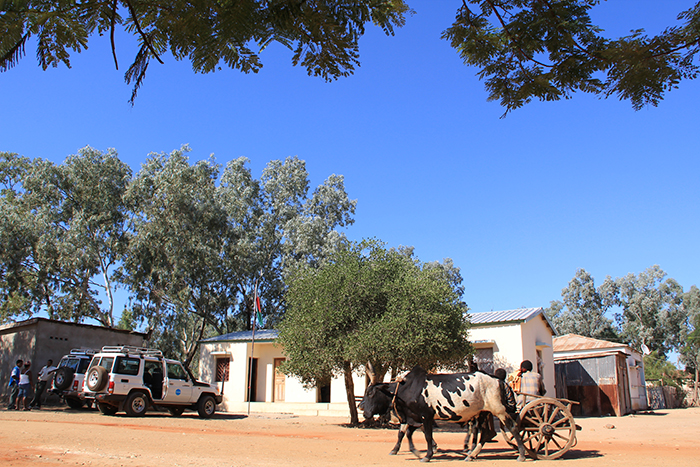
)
(249, 371)
(40, 339)
(502, 339)
(607, 378)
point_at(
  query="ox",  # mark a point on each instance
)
(421, 398)
(379, 400)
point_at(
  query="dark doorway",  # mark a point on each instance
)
(252, 379)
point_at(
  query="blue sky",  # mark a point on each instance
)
(518, 203)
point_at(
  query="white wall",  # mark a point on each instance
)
(514, 343)
(508, 347)
(234, 390)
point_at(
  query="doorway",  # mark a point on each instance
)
(252, 380)
(278, 393)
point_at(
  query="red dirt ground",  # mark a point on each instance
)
(62, 437)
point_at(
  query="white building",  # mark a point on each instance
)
(502, 339)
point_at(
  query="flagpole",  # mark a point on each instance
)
(252, 346)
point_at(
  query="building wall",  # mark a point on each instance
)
(43, 339)
(507, 346)
(638, 393)
(537, 344)
(235, 390)
(514, 343)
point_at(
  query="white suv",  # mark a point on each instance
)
(68, 378)
(133, 379)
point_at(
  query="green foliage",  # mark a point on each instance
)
(583, 308)
(323, 35)
(371, 306)
(200, 249)
(549, 49)
(63, 231)
(188, 241)
(659, 371)
(651, 310)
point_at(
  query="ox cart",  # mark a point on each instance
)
(546, 426)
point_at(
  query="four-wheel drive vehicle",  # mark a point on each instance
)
(133, 379)
(68, 378)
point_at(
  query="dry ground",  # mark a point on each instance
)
(62, 437)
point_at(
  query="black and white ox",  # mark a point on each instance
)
(420, 398)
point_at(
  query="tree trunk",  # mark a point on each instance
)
(350, 392)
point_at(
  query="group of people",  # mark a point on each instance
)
(20, 385)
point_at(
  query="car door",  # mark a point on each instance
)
(179, 385)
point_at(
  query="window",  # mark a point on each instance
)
(127, 366)
(222, 366)
(175, 371)
(106, 363)
(72, 363)
(484, 359)
(82, 368)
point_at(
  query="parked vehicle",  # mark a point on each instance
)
(134, 379)
(67, 380)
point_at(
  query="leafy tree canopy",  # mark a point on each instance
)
(548, 49)
(323, 34)
(373, 307)
(523, 49)
(583, 308)
(63, 232)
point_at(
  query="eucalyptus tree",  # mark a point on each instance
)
(19, 282)
(651, 315)
(206, 240)
(67, 225)
(175, 264)
(583, 308)
(690, 350)
(372, 307)
(274, 226)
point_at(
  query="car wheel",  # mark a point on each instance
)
(106, 409)
(176, 411)
(136, 404)
(74, 403)
(97, 378)
(206, 407)
(63, 378)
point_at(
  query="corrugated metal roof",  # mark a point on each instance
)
(244, 336)
(521, 315)
(573, 342)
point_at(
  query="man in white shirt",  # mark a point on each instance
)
(43, 378)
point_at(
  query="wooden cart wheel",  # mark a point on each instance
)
(546, 427)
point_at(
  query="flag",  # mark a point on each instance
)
(258, 315)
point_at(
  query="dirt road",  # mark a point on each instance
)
(63, 437)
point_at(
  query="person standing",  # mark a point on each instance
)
(14, 384)
(42, 379)
(25, 387)
(530, 383)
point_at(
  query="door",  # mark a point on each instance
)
(252, 379)
(179, 385)
(278, 393)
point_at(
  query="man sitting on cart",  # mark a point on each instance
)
(527, 382)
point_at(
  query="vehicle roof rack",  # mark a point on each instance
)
(83, 351)
(129, 349)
